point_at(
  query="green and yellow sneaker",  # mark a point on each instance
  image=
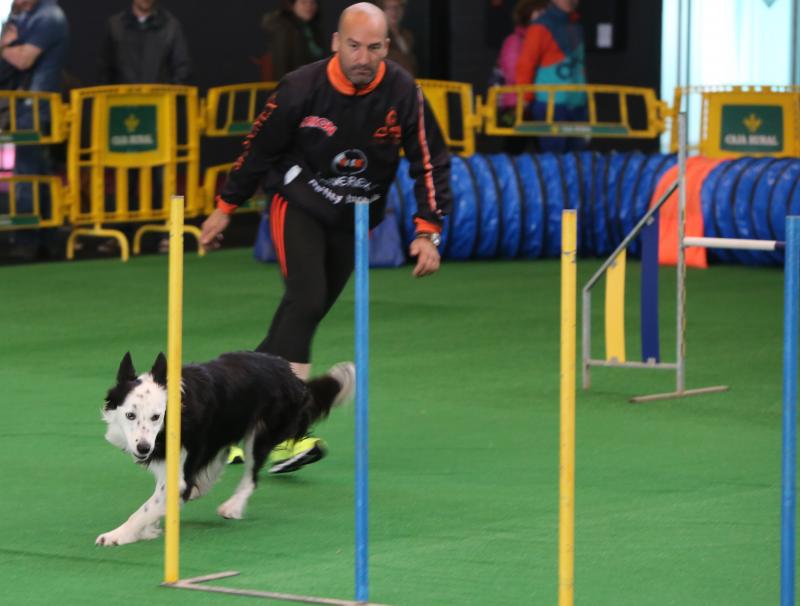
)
(235, 456)
(291, 455)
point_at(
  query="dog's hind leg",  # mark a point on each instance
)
(233, 508)
(143, 523)
(206, 478)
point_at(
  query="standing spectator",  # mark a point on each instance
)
(34, 43)
(294, 37)
(525, 11)
(330, 136)
(504, 73)
(401, 40)
(144, 45)
(553, 53)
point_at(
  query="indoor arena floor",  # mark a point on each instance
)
(677, 502)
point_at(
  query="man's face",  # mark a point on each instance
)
(566, 5)
(144, 6)
(362, 44)
(305, 9)
(394, 10)
(24, 6)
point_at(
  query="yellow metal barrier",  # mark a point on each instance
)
(743, 120)
(453, 105)
(612, 111)
(130, 147)
(42, 214)
(32, 118)
(126, 143)
(212, 180)
(231, 110)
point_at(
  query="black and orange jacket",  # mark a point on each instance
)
(322, 143)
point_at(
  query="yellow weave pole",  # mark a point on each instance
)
(174, 336)
(566, 511)
(615, 309)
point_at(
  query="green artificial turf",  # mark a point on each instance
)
(677, 502)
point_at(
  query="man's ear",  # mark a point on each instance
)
(126, 370)
(159, 370)
(335, 42)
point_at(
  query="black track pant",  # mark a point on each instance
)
(316, 262)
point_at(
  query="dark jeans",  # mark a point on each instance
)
(318, 261)
(562, 113)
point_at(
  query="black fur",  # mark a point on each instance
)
(226, 398)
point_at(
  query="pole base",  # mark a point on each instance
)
(195, 584)
(674, 395)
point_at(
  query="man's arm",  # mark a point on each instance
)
(430, 168)
(530, 56)
(269, 139)
(21, 56)
(180, 61)
(49, 31)
(106, 60)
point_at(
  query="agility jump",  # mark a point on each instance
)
(790, 361)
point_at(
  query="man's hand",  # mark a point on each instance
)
(9, 34)
(211, 236)
(427, 257)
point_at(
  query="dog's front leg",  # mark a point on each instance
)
(144, 522)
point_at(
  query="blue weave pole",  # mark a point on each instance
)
(362, 399)
(649, 293)
(789, 450)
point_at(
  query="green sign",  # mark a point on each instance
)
(752, 128)
(571, 130)
(19, 137)
(132, 129)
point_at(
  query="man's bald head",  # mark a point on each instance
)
(363, 14)
(362, 42)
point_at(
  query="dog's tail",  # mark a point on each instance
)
(334, 388)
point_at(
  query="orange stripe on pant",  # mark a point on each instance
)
(277, 218)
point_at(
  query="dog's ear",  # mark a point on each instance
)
(126, 370)
(159, 370)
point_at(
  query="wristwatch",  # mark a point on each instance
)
(433, 236)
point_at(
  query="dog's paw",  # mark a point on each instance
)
(150, 532)
(115, 537)
(232, 509)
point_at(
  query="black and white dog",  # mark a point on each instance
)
(244, 396)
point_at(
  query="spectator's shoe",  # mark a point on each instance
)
(291, 455)
(235, 456)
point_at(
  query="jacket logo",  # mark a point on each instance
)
(323, 124)
(271, 106)
(390, 132)
(349, 162)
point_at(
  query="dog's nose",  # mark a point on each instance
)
(143, 448)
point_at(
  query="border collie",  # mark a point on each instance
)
(243, 396)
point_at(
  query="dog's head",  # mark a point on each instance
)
(135, 407)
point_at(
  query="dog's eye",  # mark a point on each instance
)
(131, 416)
(155, 418)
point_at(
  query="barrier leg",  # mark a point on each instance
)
(97, 232)
(145, 229)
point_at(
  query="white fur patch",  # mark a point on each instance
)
(134, 424)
